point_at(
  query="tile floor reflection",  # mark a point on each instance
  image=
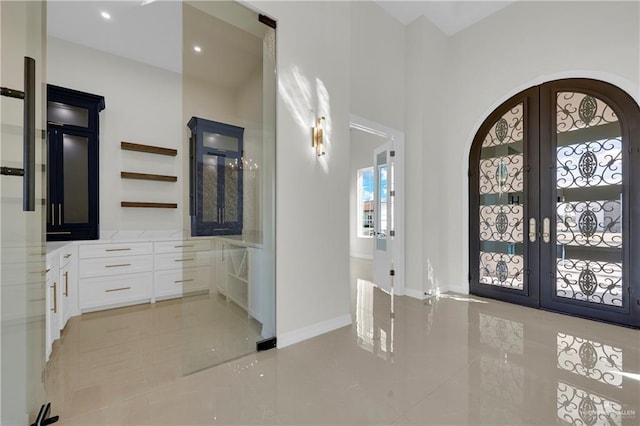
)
(454, 359)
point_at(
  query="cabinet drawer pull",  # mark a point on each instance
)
(184, 260)
(184, 281)
(55, 299)
(119, 249)
(184, 245)
(68, 255)
(48, 269)
(66, 284)
(118, 265)
(117, 289)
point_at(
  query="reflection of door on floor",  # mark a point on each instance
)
(553, 193)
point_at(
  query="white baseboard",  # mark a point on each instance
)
(416, 294)
(295, 336)
(463, 289)
(361, 256)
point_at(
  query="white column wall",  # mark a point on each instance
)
(312, 253)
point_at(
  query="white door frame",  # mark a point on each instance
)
(397, 136)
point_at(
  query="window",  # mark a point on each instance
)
(365, 203)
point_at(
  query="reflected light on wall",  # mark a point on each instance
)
(317, 140)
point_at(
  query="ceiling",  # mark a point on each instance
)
(153, 33)
(449, 16)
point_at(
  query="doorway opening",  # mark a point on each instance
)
(376, 213)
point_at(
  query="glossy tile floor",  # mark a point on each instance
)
(449, 360)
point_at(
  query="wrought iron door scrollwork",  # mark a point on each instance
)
(590, 281)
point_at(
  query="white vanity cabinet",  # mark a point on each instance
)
(114, 274)
(241, 284)
(181, 267)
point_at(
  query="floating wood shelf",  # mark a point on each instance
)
(130, 146)
(146, 176)
(149, 205)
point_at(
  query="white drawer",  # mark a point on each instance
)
(184, 246)
(166, 261)
(173, 283)
(66, 255)
(115, 265)
(114, 249)
(119, 290)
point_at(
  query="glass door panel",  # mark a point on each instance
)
(75, 176)
(501, 209)
(22, 251)
(233, 140)
(210, 211)
(589, 172)
(382, 199)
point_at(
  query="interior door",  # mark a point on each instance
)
(383, 197)
(22, 250)
(554, 193)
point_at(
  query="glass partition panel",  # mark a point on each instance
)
(22, 258)
(235, 66)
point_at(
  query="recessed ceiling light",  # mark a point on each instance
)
(105, 15)
(197, 49)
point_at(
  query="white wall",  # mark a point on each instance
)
(522, 45)
(312, 269)
(362, 145)
(377, 65)
(149, 105)
(143, 105)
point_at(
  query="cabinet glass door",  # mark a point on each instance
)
(72, 193)
(22, 250)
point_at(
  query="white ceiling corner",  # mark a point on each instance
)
(449, 16)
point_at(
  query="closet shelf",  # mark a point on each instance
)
(146, 176)
(130, 146)
(149, 205)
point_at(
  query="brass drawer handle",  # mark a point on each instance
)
(117, 289)
(184, 281)
(66, 284)
(118, 265)
(119, 249)
(184, 260)
(55, 299)
(68, 255)
(184, 245)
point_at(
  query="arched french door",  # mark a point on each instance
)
(554, 195)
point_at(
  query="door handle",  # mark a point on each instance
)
(546, 230)
(532, 229)
(55, 298)
(28, 134)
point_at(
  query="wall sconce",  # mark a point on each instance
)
(318, 137)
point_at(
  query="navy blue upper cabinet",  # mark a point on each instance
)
(216, 177)
(72, 178)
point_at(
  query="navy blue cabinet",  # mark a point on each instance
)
(216, 177)
(72, 178)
